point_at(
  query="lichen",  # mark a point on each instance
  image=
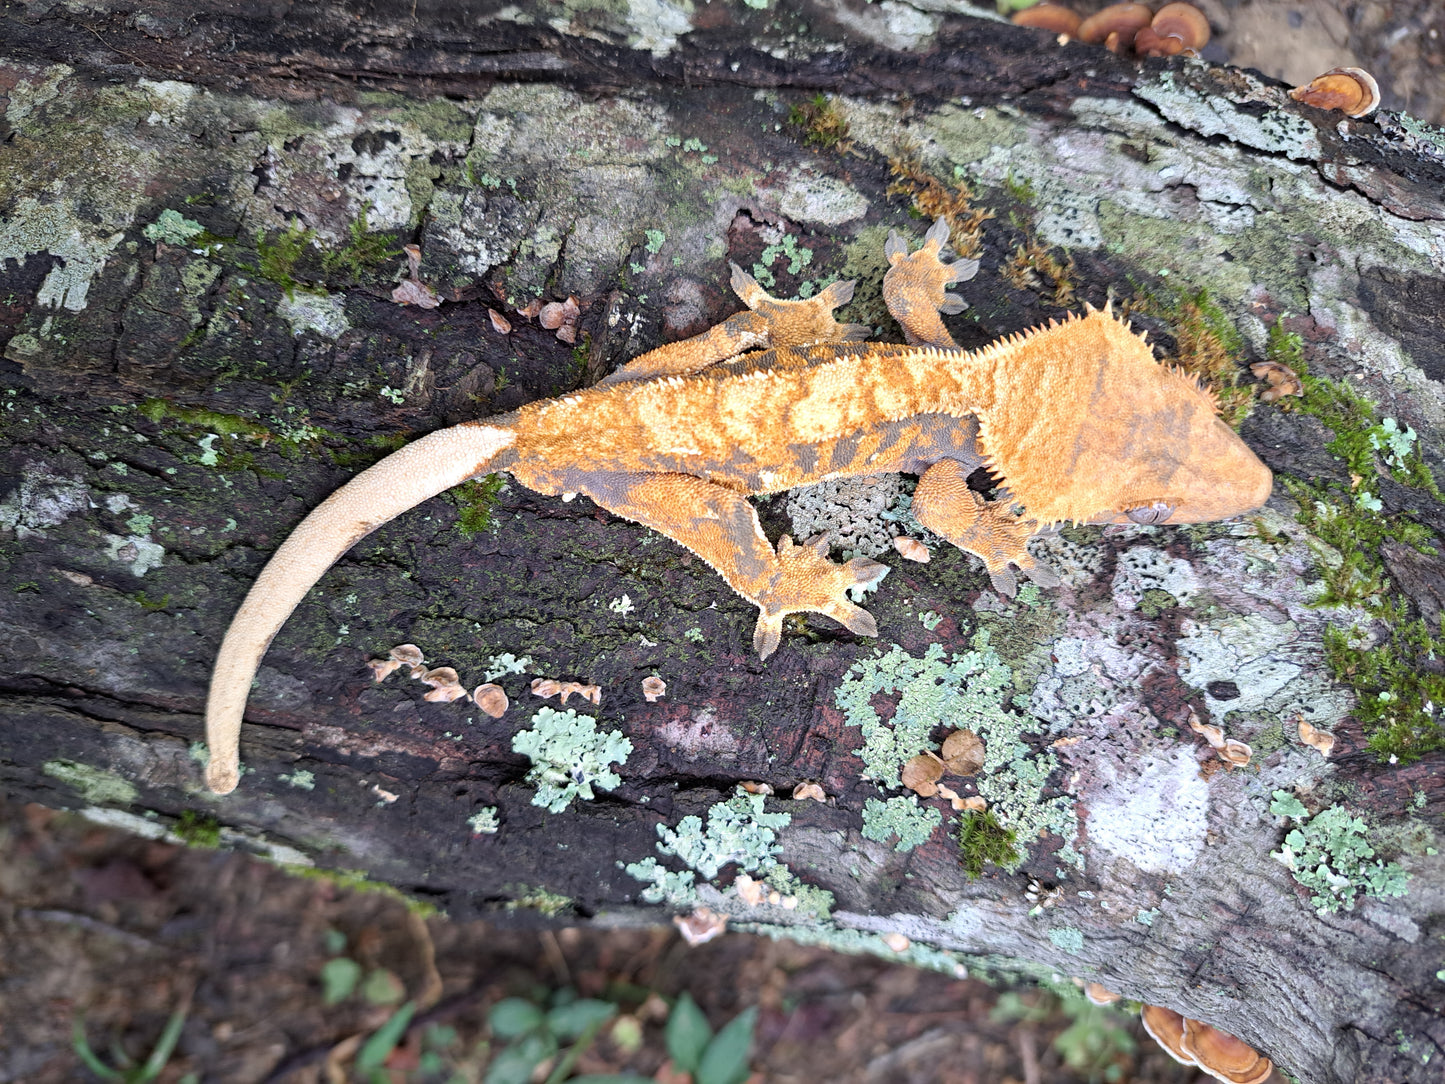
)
(850, 511)
(1330, 855)
(969, 691)
(569, 756)
(1068, 938)
(738, 830)
(484, 821)
(93, 784)
(900, 816)
(173, 228)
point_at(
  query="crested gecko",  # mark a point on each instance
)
(1076, 420)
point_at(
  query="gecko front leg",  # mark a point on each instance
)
(721, 527)
(913, 288)
(988, 529)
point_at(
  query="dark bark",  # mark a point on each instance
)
(172, 415)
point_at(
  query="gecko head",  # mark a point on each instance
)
(1103, 433)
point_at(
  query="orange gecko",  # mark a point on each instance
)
(1076, 420)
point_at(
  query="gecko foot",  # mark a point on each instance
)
(804, 322)
(913, 288)
(806, 580)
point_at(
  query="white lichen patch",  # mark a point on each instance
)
(1154, 812)
(1248, 651)
(324, 314)
(1077, 563)
(1272, 130)
(43, 499)
(890, 24)
(850, 511)
(60, 229)
(137, 552)
(813, 197)
(170, 100)
(699, 735)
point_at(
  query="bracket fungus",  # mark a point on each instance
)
(445, 685)
(1193, 1042)
(1115, 26)
(1046, 16)
(910, 549)
(653, 689)
(1352, 91)
(1175, 29)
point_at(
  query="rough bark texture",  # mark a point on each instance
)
(174, 404)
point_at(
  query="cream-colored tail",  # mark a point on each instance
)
(380, 493)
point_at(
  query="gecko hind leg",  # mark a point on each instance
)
(721, 527)
(913, 288)
(767, 322)
(988, 529)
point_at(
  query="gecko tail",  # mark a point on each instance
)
(378, 494)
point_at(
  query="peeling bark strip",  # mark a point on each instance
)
(179, 392)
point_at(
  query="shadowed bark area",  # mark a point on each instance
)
(202, 221)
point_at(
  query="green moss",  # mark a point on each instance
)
(278, 255)
(354, 880)
(363, 252)
(982, 841)
(475, 501)
(213, 421)
(1400, 690)
(1331, 856)
(902, 817)
(822, 123)
(199, 830)
(569, 755)
(537, 899)
(94, 784)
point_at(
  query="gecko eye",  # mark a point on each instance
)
(1158, 512)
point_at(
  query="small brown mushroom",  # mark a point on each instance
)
(753, 787)
(409, 655)
(898, 942)
(1175, 29)
(911, 549)
(546, 687)
(922, 773)
(1281, 380)
(1235, 753)
(653, 689)
(1115, 26)
(491, 699)
(963, 752)
(751, 892)
(1350, 90)
(499, 322)
(1099, 995)
(381, 669)
(1166, 1027)
(445, 686)
(586, 692)
(1316, 739)
(1046, 16)
(1212, 734)
(809, 790)
(1223, 1056)
(701, 926)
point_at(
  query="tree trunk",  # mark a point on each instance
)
(176, 400)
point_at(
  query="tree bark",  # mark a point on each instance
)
(175, 401)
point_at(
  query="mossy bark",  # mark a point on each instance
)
(176, 397)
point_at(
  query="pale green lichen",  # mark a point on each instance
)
(1330, 855)
(738, 830)
(500, 665)
(300, 779)
(93, 784)
(569, 757)
(1068, 938)
(173, 228)
(902, 817)
(969, 691)
(484, 821)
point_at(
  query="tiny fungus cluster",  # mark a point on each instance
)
(1173, 30)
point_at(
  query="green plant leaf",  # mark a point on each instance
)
(81, 1045)
(382, 987)
(514, 1016)
(688, 1034)
(514, 1065)
(725, 1061)
(164, 1047)
(611, 1078)
(338, 979)
(571, 1020)
(383, 1040)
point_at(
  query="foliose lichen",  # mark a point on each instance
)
(902, 817)
(569, 757)
(1331, 856)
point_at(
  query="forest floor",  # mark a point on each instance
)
(283, 978)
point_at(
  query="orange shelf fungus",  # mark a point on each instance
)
(1223, 1056)
(1352, 91)
(1115, 26)
(1166, 1027)
(1175, 29)
(1055, 17)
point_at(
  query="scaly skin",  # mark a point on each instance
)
(1076, 420)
